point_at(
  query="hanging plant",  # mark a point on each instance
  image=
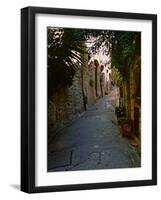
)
(91, 82)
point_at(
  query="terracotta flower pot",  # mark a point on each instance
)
(126, 129)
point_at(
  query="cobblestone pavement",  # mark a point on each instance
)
(93, 141)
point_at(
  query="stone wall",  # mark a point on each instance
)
(65, 106)
(69, 103)
(131, 99)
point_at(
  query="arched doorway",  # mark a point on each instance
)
(96, 76)
(102, 81)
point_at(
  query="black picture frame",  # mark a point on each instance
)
(28, 98)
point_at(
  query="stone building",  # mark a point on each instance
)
(91, 82)
(130, 98)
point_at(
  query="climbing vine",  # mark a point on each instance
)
(126, 50)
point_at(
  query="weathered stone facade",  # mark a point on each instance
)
(130, 98)
(65, 105)
(91, 82)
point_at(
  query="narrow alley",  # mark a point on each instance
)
(93, 141)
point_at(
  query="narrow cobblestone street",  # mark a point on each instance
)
(93, 141)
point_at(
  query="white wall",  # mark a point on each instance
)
(10, 99)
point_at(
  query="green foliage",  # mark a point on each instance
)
(65, 47)
(91, 82)
(126, 49)
(120, 112)
(64, 55)
(103, 38)
(116, 76)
